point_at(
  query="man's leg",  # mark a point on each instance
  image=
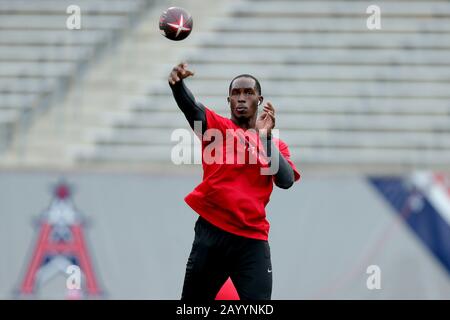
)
(205, 269)
(252, 271)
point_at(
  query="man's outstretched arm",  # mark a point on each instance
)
(193, 110)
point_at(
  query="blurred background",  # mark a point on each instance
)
(86, 118)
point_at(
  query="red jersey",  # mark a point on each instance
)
(233, 196)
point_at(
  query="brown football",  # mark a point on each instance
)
(175, 23)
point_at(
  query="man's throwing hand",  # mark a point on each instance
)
(179, 72)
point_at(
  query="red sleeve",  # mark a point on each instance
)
(284, 150)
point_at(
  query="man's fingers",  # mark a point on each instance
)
(178, 69)
(270, 106)
(272, 118)
(182, 71)
(269, 111)
(174, 77)
(187, 73)
(179, 72)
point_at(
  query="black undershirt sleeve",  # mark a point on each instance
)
(193, 110)
(284, 177)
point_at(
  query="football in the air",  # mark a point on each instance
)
(175, 23)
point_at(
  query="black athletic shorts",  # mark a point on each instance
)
(217, 255)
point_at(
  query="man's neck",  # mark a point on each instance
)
(245, 123)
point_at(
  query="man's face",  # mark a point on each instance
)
(244, 98)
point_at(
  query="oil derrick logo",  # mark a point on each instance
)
(60, 247)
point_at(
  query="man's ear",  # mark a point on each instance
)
(261, 99)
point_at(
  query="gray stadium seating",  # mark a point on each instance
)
(345, 95)
(39, 56)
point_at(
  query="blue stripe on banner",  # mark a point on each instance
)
(419, 214)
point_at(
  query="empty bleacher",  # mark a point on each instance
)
(345, 96)
(39, 56)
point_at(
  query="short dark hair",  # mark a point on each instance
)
(257, 85)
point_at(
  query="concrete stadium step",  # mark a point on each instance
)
(8, 115)
(308, 121)
(51, 147)
(325, 72)
(355, 156)
(306, 56)
(218, 71)
(295, 138)
(45, 53)
(54, 37)
(49, 69)
(409, 159)
(58, 6)
(321, 89)
(125, 154)
(27, 85)
(143, 46)
(342, 8)
(102, 98)
(8, 100)
(127, 122)
(327, 40)
(309, 105)
(42, 21)
(329, 24)
(75, 119)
